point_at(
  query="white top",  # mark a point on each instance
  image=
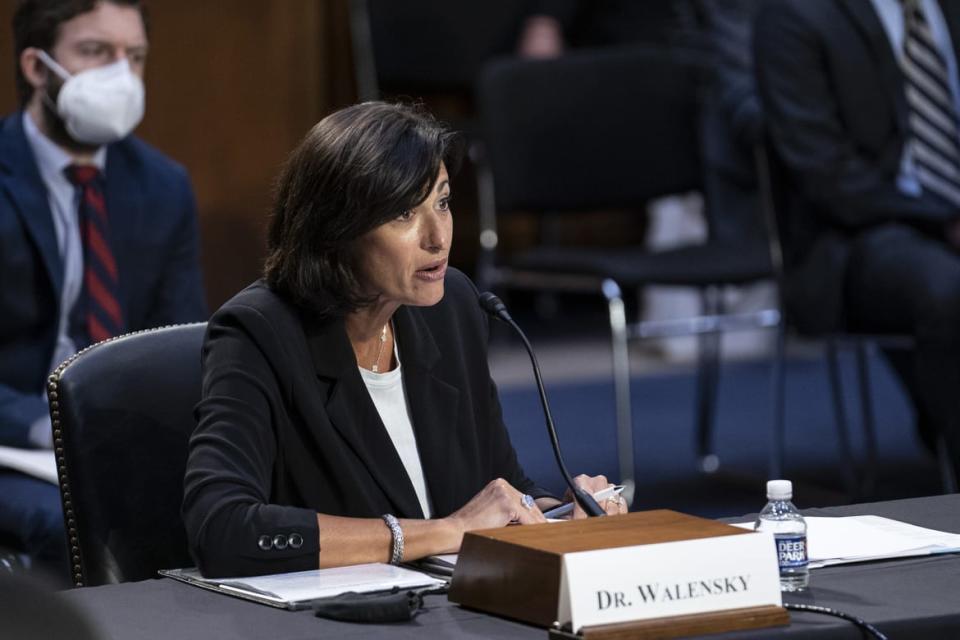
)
(389, 397)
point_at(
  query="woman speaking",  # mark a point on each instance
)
(347, 413)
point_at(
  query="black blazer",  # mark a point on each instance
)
(834, 100)
(286, 428)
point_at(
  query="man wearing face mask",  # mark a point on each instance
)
(98, 230)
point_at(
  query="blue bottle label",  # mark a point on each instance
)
(791, 551)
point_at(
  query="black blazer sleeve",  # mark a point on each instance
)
(231, 524)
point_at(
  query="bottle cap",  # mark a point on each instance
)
(779, 489)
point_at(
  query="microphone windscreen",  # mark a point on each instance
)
(492, 304)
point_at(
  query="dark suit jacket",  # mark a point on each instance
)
(154, 241)
(833, 97)
(287, 429)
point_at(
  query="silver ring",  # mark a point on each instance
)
(527, 501)
(617, 500)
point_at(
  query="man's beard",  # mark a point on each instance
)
(55, 127)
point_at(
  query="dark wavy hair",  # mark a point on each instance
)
(36, 23)
(355, 170)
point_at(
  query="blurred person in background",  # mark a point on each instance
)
(555, 26)
(862, 99)
(98, 229)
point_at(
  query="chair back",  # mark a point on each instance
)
(770, 179)
(419, 46)
(122, 415)
(804, 256)
(591, 130)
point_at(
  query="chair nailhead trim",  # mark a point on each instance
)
(53, 390)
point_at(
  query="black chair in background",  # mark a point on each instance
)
(860, 477)
(610, 131)
(420, 46)
(122, 415)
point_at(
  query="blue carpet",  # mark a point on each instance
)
(664, 437)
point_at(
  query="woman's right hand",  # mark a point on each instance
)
(497, 505)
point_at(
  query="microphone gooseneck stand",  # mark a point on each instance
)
(495, 308)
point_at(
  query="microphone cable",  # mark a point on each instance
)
(859, 622)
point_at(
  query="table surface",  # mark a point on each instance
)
(909, 598)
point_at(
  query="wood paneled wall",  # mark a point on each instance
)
(232, 86)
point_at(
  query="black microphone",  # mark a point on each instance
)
(495, 307)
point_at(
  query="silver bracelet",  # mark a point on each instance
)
(396, 553)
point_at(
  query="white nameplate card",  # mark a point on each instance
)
(685, 577)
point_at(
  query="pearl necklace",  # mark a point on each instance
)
(383, 339)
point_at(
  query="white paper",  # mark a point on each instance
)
(449, 558)
(39, 463)
(301, 586)
(639, 582)
(860, 538)
(929, 537)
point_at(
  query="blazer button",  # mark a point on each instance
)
(280, 541)
(295, 540)
(265, 543)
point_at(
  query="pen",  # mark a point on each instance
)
(567, 507)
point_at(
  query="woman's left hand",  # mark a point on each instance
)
(614, 505)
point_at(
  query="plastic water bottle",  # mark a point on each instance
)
(789, 530)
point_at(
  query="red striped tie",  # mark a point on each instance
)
(102, 315)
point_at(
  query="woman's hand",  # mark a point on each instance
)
(496, 505)
(614, 505)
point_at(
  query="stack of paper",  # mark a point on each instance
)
(299, 589)
(860, 538)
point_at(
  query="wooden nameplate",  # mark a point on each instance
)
(516, 571)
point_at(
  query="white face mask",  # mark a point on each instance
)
(100, 105)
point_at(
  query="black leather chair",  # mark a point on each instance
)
(610, 130)
(122, 414)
